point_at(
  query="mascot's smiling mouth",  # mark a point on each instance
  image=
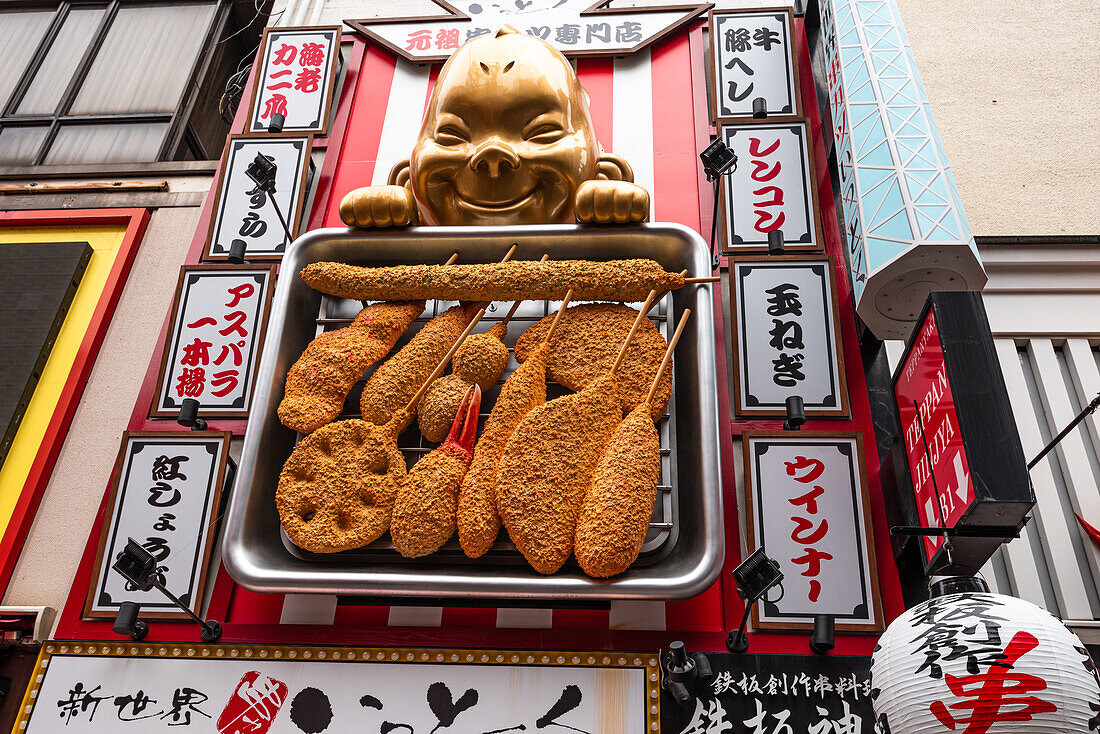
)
(493, 206)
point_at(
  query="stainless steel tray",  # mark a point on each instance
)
(684, 549)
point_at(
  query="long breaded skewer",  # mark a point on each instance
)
(547, 465)
(615, 515)
(614, 280)
(523, 391)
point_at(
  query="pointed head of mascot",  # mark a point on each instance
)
(507, 137)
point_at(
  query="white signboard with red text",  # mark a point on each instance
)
(772, 188)
(296, 75)
(753, 58)
(217, 328)
(808, 509)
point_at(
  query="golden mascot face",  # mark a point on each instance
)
(507, 138)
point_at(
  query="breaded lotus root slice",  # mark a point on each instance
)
(516, 280)
(439, 406)
(424, 513)
(397, 380)
(585, 346)
(337, 489)
(478, 518)
(482, 358)
(616, 511)
(547, 468)
(318, 383)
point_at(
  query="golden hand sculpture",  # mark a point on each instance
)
(507, 139)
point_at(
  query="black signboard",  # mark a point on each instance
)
(38, 280)
(957, 460)
(762, 694)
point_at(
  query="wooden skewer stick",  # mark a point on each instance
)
(633, 329)
(444, 362)
(668, 355)
(511, 251)
(707, 279)
(558, 315)
(451, 259)
(515, 306)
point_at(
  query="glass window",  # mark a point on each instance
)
(107, 143)
(68, 48)
(145, 61)
(22, 32)
(19, 145)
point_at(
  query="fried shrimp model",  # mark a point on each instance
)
(318, 383)
(613, 280)
(586, 344)
(424, 514)
(548, 463)
(615, 515)
(481, 361)
(337, 489)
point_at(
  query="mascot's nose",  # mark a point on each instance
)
(492, 154)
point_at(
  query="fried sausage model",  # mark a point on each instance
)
(396, 380)
(424, 514)
(481, 360)
(614, 280)
(337, 489)
(318, 383)
(586, 344)
(615, 515)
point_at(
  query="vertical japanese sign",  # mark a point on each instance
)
(773, 188)
(778, 694)
(295, 79)
(217, 327)
(164, 494)
(785, 336)
(809, 511)
(753, 58)
(245, 211)
(232, 690)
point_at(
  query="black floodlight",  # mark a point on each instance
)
(759, 108)
(718, 159)
(824, 637)
(136, 565)
(776, 243)
(680, 671)
(755, 577)
(237, 251)
(189, 415)
(262, 170)
(127, 622)
(275, 126)
(796, 413)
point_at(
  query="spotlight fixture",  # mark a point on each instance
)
(718, 159)
(276, 125)
(680, 670)
(263, 170)
(189, 415)
(755, 577)
(139, 567)
(702, 664)
(127, 622)
(776, 244)
(824, 637)
(796, 413)
(237, 251)
(759, 108)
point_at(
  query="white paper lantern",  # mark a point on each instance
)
(980, 663)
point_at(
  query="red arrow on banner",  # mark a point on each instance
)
(574, 27)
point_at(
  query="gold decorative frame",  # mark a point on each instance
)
(649, 661)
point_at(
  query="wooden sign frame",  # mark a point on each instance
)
(164, 373)
(214, 497)
(330, 83)
(875, 600)
(843, 409)
(717, 117)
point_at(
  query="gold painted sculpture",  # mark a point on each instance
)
(507, 139)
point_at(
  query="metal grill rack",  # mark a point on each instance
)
(336, 313)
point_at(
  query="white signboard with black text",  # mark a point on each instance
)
(808, 509)
(773, 188)
(245, 211)
(165, 495)
(753, 58)
(786, 334)
(217, 328)
(263, 691)
(295, 79)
